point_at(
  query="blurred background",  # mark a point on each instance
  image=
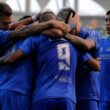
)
(92, 12)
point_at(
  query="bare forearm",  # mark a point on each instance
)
(94, 64)
(80, 43)
(54, 33)
(28, 31)
(22, 22)
(12, 58)
(38, 28)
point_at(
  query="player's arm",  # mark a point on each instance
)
(25, 21)
(90, 61)
(58, 32)
(94, 64)
(86, 44)
(76, 22)
(54, 33)
(19, 54)
(27, 48)
(35, 29)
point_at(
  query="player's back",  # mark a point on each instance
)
(57, 61)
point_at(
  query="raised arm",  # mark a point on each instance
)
(86, 44)
(38, 28)
(26, 21)
(85, 38)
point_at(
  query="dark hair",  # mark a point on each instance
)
(5, 10)
(108, 12)
(24, 17)
(64, 14)
(45, 16)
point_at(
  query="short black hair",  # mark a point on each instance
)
(65, 13)
(24, 17)
(108, 12)
(5, 10)
(45, 16)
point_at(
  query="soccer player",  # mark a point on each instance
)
(16, 79)
(87, 80)
(105, 67)
(14, 89)
(56, 60)
(5, 20)
(59, 79)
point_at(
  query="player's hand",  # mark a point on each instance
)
(76, 22)
(20, 26)
(54, 33)
(60, 25)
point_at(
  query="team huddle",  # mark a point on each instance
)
(53, 62)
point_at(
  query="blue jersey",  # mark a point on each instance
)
(3, 37)
(57, 61)
(87, 80)
(105, 69)
(3, 42)
(18, 76)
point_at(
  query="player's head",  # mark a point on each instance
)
(107, 24)
(65, 14)
(47, 15)
(5, 16)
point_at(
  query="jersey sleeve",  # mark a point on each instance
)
(84, 32)
(96, 37)
(30, 45)
(3, 36)
(87, 33)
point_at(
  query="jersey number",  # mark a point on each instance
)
(63, 56)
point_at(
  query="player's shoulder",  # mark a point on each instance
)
(104, 39)
(2, 32)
